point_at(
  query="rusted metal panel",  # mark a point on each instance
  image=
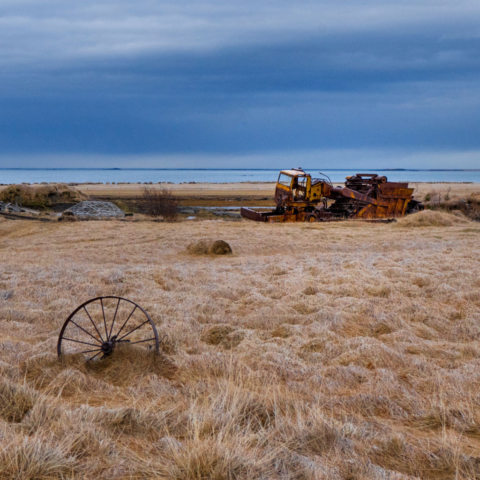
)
(252, 215)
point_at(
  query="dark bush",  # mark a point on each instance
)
(159, 203)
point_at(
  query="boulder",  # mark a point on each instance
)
(91, 209)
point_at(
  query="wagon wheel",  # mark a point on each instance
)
(97, 326)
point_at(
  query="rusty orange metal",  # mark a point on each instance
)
(366, 196)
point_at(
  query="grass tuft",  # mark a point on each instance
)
(430, 218)
(15, 401)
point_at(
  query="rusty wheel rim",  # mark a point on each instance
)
(98, 326)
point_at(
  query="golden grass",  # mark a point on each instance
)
(207, 246)
(430, 218)
(41, 196)
(332, 351)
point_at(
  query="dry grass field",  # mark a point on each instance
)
(336, 351)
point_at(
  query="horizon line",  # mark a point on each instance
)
(253, 169)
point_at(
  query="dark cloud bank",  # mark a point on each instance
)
(204, 82)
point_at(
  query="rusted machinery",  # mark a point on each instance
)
(366, 196)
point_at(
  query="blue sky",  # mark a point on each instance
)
(240, 84)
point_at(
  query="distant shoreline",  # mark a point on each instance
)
(250, 169)
(215, 176)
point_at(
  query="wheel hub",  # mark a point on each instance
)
(107, 347)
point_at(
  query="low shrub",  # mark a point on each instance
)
(159, 203)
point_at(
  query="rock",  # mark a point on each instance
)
(188, 211)
(90, 209)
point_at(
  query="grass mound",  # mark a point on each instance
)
(71, 375)
(41, 197)
(32, 459)
(209, 247)
(129, 363)
(15, 401)
(429, 218)
(216, 334)
(199, 461)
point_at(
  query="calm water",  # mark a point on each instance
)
(9, 176)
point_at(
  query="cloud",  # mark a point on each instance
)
(207, 78)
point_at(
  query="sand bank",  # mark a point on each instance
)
(246, 189)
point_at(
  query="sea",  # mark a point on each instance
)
(188, 175)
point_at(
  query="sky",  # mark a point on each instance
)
(265, 84)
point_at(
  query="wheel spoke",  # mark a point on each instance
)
(104, 320)
(126, 321)
(94, 356)
(78, 341)
(131, 331)
(88, 333)
(142, 341)
(93, 323)
(113, 322)
(90, 351)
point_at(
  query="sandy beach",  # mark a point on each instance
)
(248, 188)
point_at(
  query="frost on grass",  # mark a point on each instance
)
(315, 352)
